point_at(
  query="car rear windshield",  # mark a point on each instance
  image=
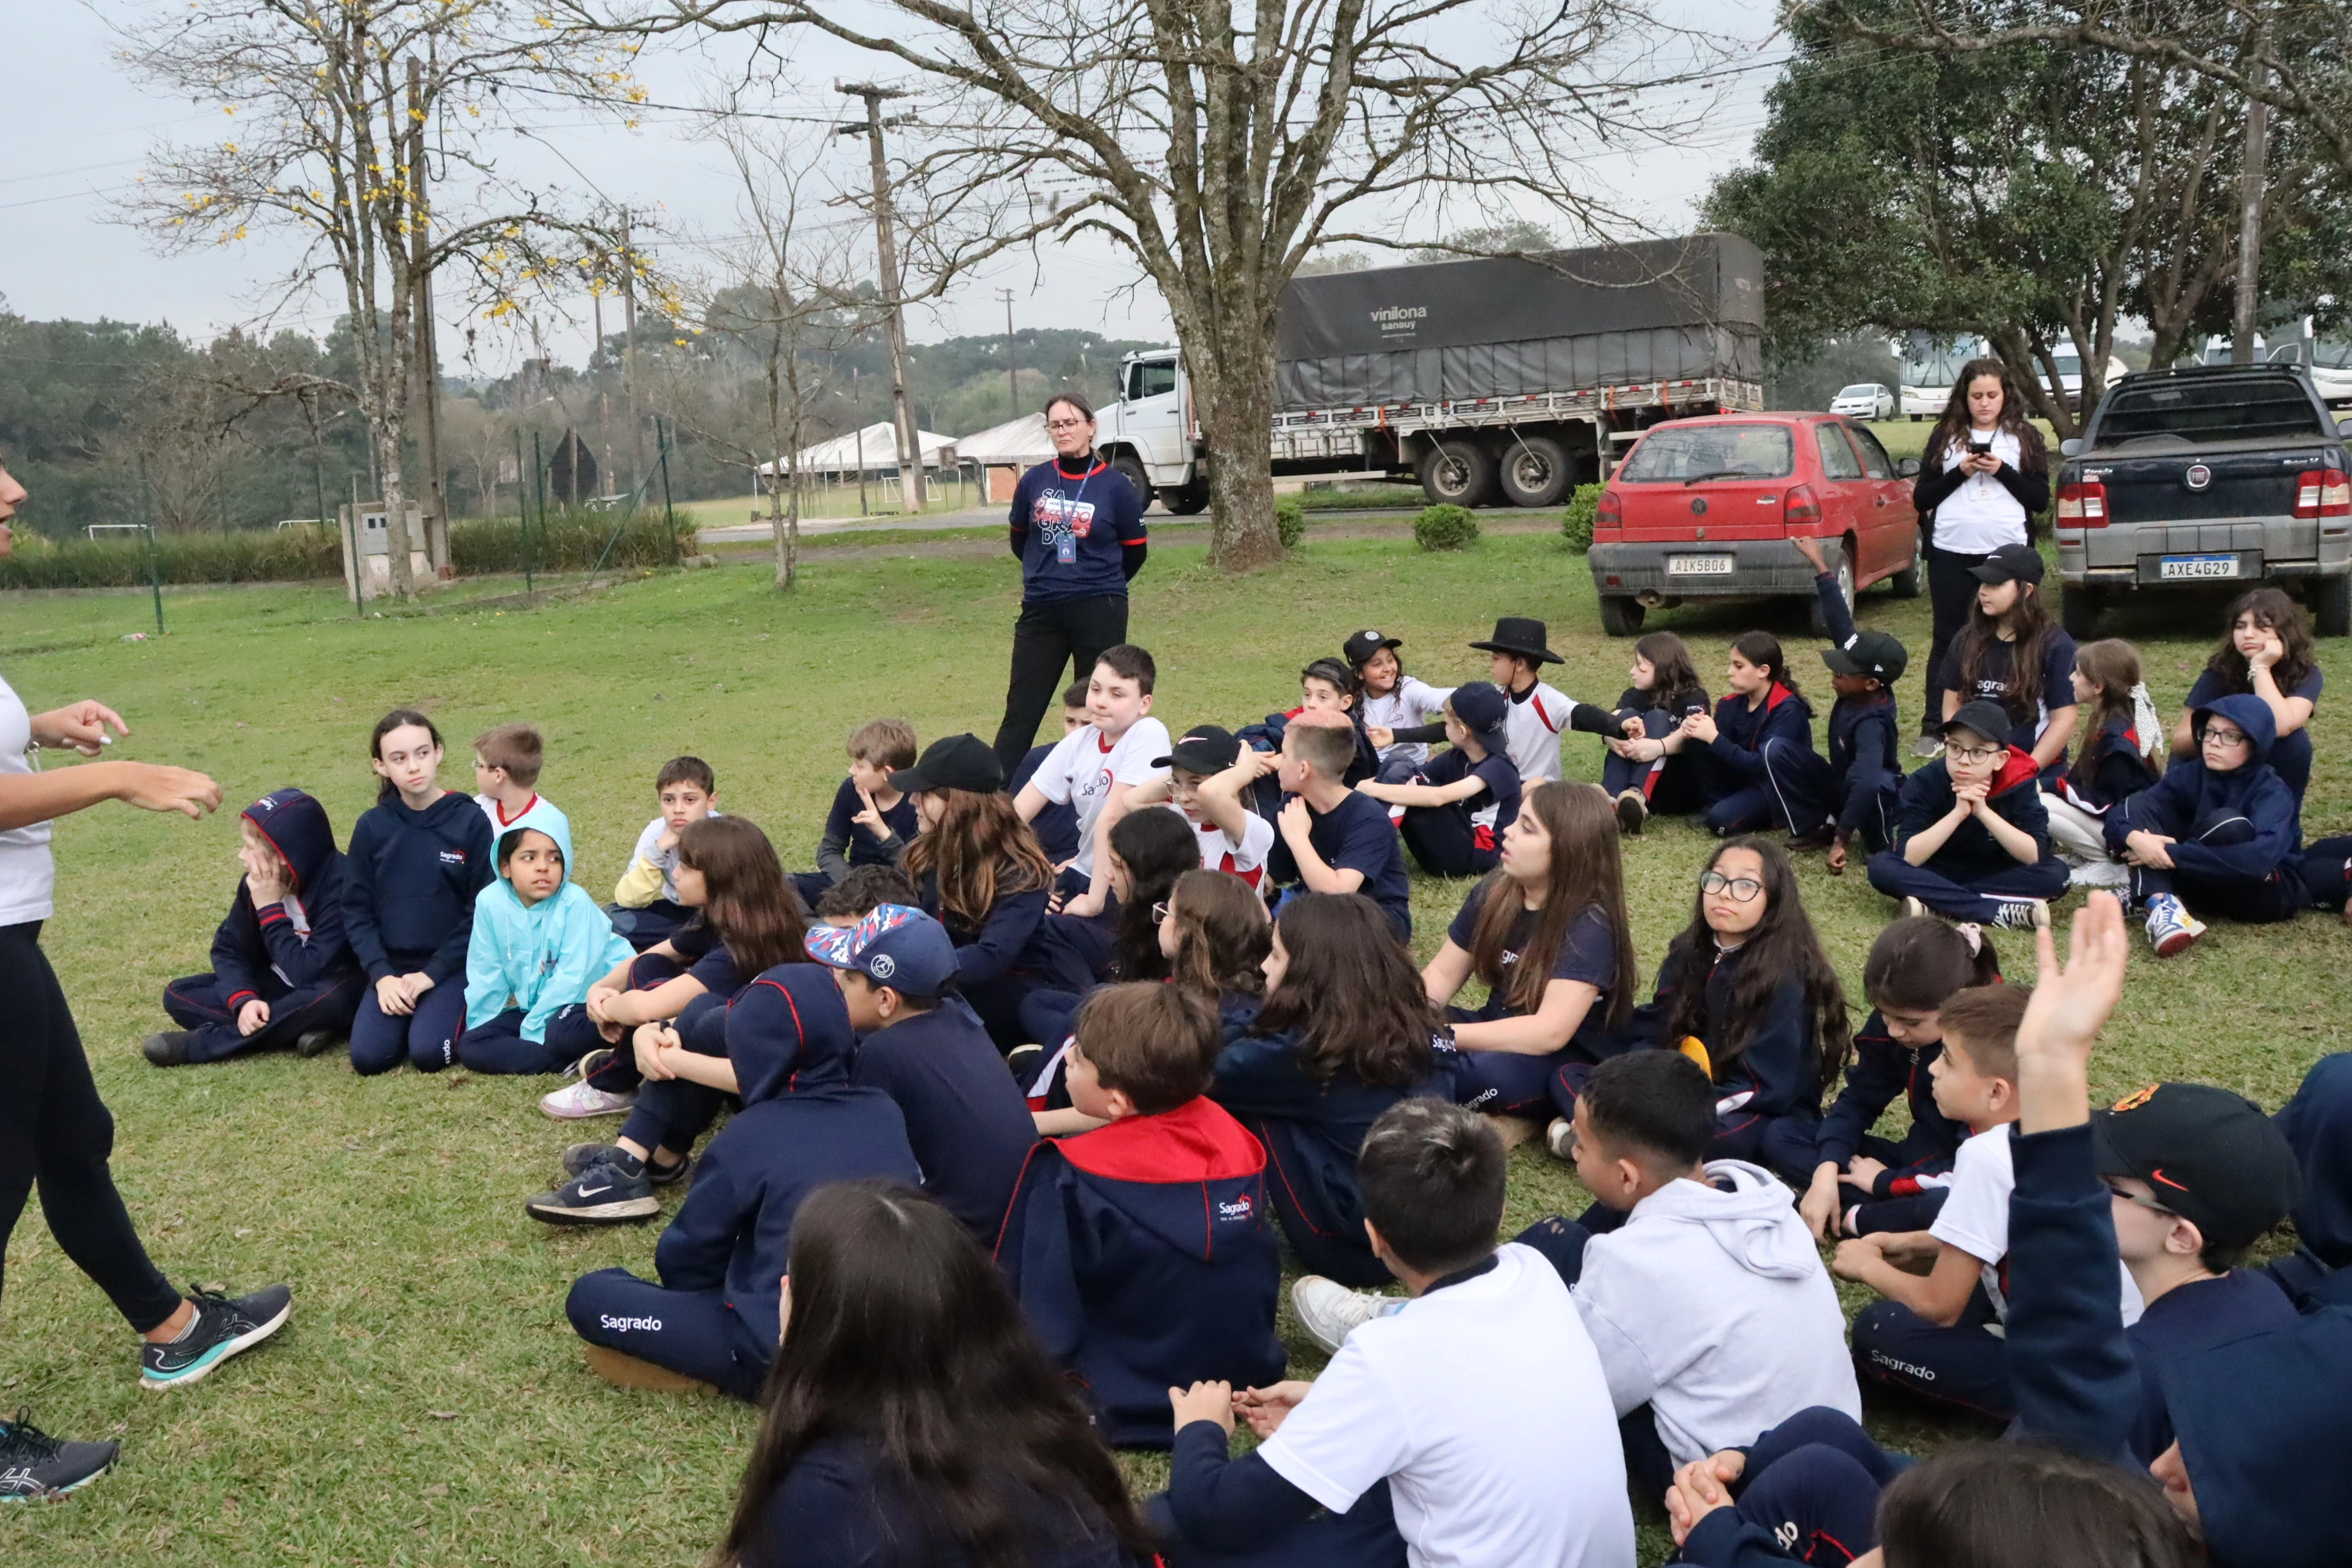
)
(1867, 389)
(2238, 408)
(1719, 451)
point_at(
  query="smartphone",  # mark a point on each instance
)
(1978, 449)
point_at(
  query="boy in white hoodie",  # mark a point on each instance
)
(1713, 1315)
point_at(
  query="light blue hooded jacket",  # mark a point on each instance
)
(541, 959)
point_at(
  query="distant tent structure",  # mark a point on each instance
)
(1002, 451)
(571, 472)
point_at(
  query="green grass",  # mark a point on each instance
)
(427, 1405)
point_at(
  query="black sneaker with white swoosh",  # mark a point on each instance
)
(35, 1465)
(225, 1326)
(602, 1194)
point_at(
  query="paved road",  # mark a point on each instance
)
(1501, 519)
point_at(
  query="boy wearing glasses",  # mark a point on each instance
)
(1971, 837)
(2219, 832)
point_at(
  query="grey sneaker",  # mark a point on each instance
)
(1926, 748)
(225, 1326)
(36, 1465)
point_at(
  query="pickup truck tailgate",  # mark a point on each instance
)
(2184, 502)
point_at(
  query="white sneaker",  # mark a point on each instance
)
(1329, 1312)
(2110, 874)
(2023, 914)
(2171, 928)
(578, 1101)
(1561, 1138)
(1928, 747)
(1913, 908)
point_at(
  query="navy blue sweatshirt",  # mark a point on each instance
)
(252, 945)
(1972, 851)
(840, 1505)
(1778, 1068)
(2114, 770)
(1006, 938)
(1864, 749)
(969, 1126)
(1078, 533)
(803, 1125)
(1141, 1255)
(409, 881)
(845, 844)
(2240, 826)
(1884, 1071)
(1740, 730)
(2318, 1126)
(2187, 1319)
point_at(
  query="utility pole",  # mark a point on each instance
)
(2249, 217)
(427, 353)
(1011, 376)
(886, 246)
(604, 394)
(629, 355)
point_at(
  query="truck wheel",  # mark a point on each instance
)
(2079, 610)
(1458, 473)
(1131, 467)
(1846, 589)
(1535, 471)
(1904, 585)
(2331, 607)
(1192, 498)
(1621, 618)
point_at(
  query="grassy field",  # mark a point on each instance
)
(427, 1405)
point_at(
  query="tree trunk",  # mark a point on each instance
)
(1235, 402)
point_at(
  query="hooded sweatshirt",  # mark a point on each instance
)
(1972, 851)
(1141, 1254)
(541, 959)
(300, 939)
(803, 1126)
(1740, 731)
(2239, 825)
(2112, 769)
(1711, 1306)
(1884, 1071)
(1776, 1072)
(2318, 1126)
(410, 880)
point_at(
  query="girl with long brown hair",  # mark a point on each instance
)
(1547, 933)
(2267, 653)
(1644, 771)
(1985, 476)
(2013, 654)
(1763, 711)
(2112, 764)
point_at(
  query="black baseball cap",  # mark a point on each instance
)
(2010, 564)
(1480, 706)
(1364, 644)
(2210, 1156)
(1204, 749)
(1980, 717)
(1878, 655)
(953, 762)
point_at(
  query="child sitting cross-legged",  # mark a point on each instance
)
(538, 941)
(1056, 825)
(715, 1317)
(2110, 767)
(283, 972)
(1647, 772)
(1392, 699)
(1457, 808)
(919, 1044)
(1411, 1432)
(1334, 839)
(1140, 1251)
(2220, 832)
(1972, 838)
(870, 822)
(1092, 768)
(1208, 774)
(646, 907)
(506, 762)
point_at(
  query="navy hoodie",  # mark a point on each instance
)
(803, 1126)
(1864, 749)
(1141, 1255)
(966, 1120)
(2116, 769)
(253, 944)
(1884, 1071)
(1972, 851)
(410, 877)
(1007, 939)
(2240, 826)
(1776, 1069)
(2318, 1126)
(1740, 730)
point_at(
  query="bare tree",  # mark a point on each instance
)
(1220, 146)
(329, 108)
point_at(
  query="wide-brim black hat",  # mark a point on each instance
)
(1519, 635)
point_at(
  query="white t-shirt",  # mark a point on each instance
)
(1083, 768)
(1531, 734)
(28, 876)
(1981, 515)
(1975, 1216)
(1246, 859)
(1409, 704)
(1484, 1466)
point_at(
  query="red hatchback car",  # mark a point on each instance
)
(1706, 509)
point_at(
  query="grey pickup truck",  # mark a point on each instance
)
(2207, 475)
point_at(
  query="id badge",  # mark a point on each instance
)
(1066, 549)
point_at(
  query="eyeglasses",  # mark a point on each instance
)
(1975, 754)
(1160, 913)
(1066, 423)
(1743, 890)
(2216, 735)
(2131, 1197)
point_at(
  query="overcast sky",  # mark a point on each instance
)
(77, 129)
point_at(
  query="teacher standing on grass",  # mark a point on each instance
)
(1078, 531)
(1983, 477)
(53, 1129)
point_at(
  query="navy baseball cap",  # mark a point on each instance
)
(1364, 644)
(894, 946)
(1480, 706)
(2210, 1156)
(1979, 718)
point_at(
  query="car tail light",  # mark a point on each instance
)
(1611, 513)
(2322, 492)
(2082, 505)
(1800, 508)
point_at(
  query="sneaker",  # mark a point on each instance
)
(1561, 1138)
(2113, 875)
(225, 1326)
(600, 1195)
(168, 1049)
(1928, 747)
(582, 1157)
(1632, 810)
(2023, 914)
(1329, 1312)
(314, 1042)
(2171, 928)
(578, 1101)
(1913, 908)
(34, 1465)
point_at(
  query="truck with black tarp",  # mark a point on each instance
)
(1496, 379)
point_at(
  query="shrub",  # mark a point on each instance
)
(568, 542)
(1576, 522)
(1290, 521)
(1444, 528)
